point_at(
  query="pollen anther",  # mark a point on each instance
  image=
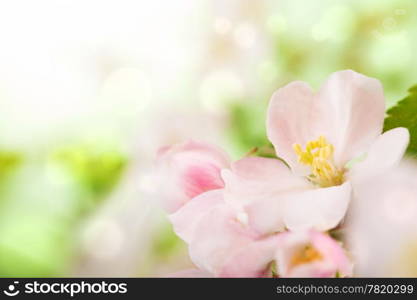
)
(307, 254)
(318, 154)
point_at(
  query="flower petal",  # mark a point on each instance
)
(326, 259)
(256, 186)
(185, 219)
(252, 179)
(321, 209)
(354, 108)
(333, 252)
(381, 227)
(220, 242)
(348, 110)
(384, 154)
(187, 170)
(252, 260)
(291, 114)
(257, 173)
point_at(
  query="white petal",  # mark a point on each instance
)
(255, 178)
(217, 237)
(381, 227)
(384, 154)
(354, 108)
(185, 219)
(257, 187)
(251, 260)
(291, 114)
(321, 209)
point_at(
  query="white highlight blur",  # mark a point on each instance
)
(245, 35)
(220, 88)
(64, 62)
(128, 85)
(222, 25)
(103, 239)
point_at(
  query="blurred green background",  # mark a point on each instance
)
(90, 89)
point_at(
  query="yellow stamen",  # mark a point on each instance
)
(305, 255)
(318, 155)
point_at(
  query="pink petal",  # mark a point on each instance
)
(256, 186)
(252, 260)
(220, 243)
(256, 175)
(290, 119)
(354, 108)
(185, 219)
(348, 110)
(321, 208)
(187, 170)
(383, 155)
(332, 250)
(333, 258)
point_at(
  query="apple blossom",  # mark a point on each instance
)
(319, 135)
(219, 243)
(223, 243)
(311, 254)
(234, 216)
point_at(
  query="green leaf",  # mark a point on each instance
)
(166, 241)
(247, 126)
(8, 162)
(96, 170)
(404, 114)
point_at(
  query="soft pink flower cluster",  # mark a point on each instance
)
(262, 217)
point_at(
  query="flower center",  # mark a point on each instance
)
(318, 154)
(306, 254)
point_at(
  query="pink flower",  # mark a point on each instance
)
(319, 135)
(222, 245)
(187, 170)
(231, 214)
(223, 241)
(311, 254)
(219, 243)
